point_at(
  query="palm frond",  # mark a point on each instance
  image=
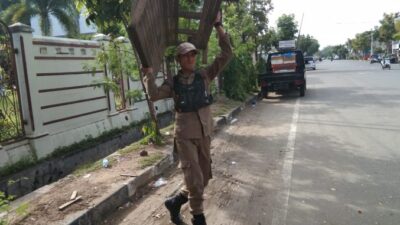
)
(20, 12)
(8, 14)
(67, 22)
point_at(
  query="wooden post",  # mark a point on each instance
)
(205, 55)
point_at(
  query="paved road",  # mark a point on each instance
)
(331, 157)
(347, 153)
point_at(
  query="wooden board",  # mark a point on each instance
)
(154, 27)
(69, 203)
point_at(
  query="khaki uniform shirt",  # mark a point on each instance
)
(198, 124)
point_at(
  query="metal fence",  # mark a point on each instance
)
(11, 127)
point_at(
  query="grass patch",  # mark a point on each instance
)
(135, 147)
(222, 110)
(150, 160)
(21, 210)
(90, 141)
(20, 165)
(223, 106)
(91, 167)
(87, 168)
(150, 133)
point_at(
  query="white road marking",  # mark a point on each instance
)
(280, 214)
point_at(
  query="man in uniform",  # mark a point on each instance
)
(193, 121)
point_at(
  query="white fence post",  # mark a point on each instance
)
(24, 60)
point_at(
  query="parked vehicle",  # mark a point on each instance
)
(310, 63)
(285, 71)
(374, 59)
(393, 59)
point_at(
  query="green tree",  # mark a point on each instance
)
(270, 40)
(327, 52)
(341, 51)
(259, 11)
(120, 61)
(287, 27)
(362, 42)
(397, 28)
(62, 10)
(110, 16)
(387, 30)
(349, 44)
(308, 44)
(240, 76)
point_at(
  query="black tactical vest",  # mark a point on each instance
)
(191, 97)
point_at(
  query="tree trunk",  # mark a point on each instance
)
(389, 47)
(205, 56)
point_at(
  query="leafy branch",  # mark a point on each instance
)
(120, 62)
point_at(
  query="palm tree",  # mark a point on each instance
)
(63, 10)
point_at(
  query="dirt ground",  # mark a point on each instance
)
(91, 185)
(92, 181)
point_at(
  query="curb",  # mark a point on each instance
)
(227, 118)
(122, 195)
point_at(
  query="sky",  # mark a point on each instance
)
(332, 22)
(57, 29)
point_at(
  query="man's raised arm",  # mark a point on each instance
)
(226, 51)
(155, 92)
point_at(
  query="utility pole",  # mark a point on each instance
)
(298, 36)
(372, 42)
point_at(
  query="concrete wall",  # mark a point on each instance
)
(59, 103)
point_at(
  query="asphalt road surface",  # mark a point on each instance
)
(331, 157)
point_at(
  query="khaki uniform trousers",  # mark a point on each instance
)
(195, 161)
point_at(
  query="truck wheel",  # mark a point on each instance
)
(264, 93)
(302, 90)
(261, 95)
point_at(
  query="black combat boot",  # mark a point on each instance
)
(173, 205)
(199, 220)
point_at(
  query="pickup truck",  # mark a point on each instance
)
(285, 70)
